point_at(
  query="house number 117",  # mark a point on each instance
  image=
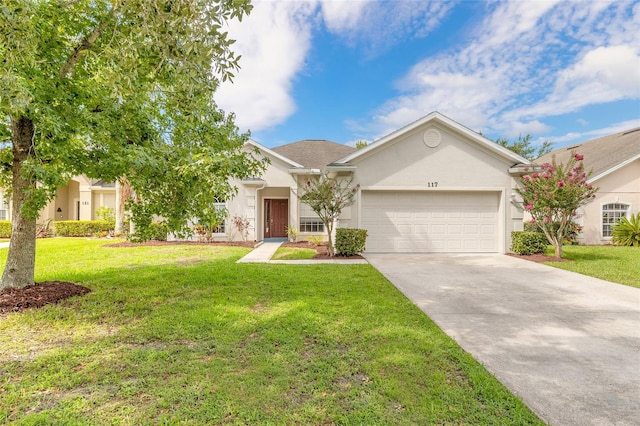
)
(432, 184)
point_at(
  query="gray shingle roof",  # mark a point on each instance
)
(601, 154)
(314, 154)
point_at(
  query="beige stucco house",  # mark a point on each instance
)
(615, 164)
(78, 200)
(432, 186)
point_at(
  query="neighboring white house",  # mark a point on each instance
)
(432, 186)
(615, 164)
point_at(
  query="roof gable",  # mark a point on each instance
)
(602, 155)
(436, 118)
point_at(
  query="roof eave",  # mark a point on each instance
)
(613, 169)
(304, 171)
(273, 153)
(340, 168)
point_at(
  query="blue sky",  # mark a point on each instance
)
(563, 71)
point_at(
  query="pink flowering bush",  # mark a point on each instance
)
(553, 193)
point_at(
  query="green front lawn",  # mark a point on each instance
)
(183, 334)
(291, 253)
(611, 263)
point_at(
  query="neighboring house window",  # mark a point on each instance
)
(220, 205)
(611, 214)
(309, 220)
(4, 205)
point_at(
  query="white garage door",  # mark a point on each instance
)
(430, 221)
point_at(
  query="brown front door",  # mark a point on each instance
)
(276, 218)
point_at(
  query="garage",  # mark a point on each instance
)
(431, 221)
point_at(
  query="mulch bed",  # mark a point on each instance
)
(250, 244)
(38, 295)
(320, 249)
(539, 258)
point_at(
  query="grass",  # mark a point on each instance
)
(612, 263)
(291, 253)
(183, 334)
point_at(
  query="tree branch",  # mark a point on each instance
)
(86, 44)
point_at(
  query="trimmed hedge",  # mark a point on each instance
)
(527, 243)
(5, 228)
(81, 228)
(154, 231)
(350, 241)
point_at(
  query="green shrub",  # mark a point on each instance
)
(572, 232)
(156, 231)
(350, 241)
(526, 243)
(627, 231)
(81, 228)
(5, 228)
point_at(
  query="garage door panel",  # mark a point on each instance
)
(431, 221)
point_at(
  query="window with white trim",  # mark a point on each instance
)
(220, 206)
(611, 214)
(309, 220)
(4, 206)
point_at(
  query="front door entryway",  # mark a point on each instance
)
(276, 218)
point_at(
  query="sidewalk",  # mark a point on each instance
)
(265, 251)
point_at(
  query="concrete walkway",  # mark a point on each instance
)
(262, 253)
(265, 251)
(567, 344)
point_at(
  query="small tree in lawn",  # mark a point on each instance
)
(327, 197)
(552, 194)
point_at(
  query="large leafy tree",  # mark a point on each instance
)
(112, 88)
(327, 196)
(552, 193)
(524, 147)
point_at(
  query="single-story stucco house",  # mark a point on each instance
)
(615, 164)
(431, 186)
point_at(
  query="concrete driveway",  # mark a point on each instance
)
(567, 344)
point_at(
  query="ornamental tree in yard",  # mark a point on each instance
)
(552, 194)
(327, 197)
(113, 88)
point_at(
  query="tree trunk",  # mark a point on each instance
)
(19, 270)
(330, 250)
(119, 213)
(558, 249)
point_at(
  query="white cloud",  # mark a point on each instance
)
(342, 16)
(575, 137)
(273, 41)
(604, 74)
(562, 50)
(376, 26)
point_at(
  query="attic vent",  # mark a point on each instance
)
(573, 147)
(432, 138)
(631, 131)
